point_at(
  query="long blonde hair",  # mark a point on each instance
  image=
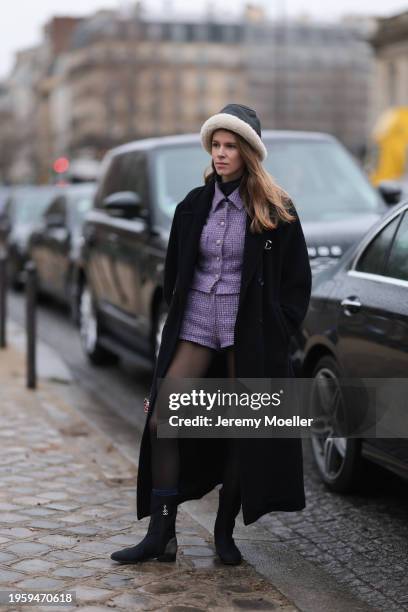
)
(266, 202)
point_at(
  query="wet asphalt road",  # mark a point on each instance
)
(358, 543)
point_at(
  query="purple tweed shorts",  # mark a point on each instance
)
(209, 318)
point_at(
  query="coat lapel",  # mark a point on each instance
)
(193, 220)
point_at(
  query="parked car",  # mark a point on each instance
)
(4, 194)
(22, 212)
(120, 277)
(55, 245)
(357, 327)
(4, 222)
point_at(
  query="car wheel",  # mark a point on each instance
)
(161, 317)
(89, 330)
(338, 459)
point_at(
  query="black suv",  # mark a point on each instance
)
(120, 280)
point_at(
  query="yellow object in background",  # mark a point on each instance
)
(388, 157)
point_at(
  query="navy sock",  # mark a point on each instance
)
(165, 491)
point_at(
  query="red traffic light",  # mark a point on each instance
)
(61, 165)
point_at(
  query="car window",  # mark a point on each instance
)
(177, 171)
(397, 264)
(27, 206)
(322, 179)
(373, 257)
(80, 206)
(126, 172)
(57, 207)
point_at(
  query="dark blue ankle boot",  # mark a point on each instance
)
(160, 541)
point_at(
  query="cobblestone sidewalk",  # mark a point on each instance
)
(67, 500)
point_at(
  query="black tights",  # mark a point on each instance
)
(191, 360)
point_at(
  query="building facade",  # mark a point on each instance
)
(390, 44)
(112, 78)
(312, 77)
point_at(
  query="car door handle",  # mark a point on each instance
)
(351, 304)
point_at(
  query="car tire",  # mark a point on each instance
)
(89, 330)
(338, 460)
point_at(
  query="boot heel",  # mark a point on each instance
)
(170, 551)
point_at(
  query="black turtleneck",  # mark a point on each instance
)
(229, 186)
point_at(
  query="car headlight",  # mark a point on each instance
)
(322, 256)
(325, 251)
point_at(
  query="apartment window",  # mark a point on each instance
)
(201, 31)
(201, 82)
(228, 34)
(178, 32)
(154, 31)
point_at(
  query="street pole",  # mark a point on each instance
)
(31, 298)
(3, 298)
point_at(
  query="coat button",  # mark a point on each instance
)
(261, 320)
(260, 280)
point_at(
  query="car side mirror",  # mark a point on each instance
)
(391, 192)
(126, 204)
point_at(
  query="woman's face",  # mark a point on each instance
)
(227, 159)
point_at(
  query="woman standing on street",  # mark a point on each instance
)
(237, 282)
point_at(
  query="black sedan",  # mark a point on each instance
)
(4, 194)
(357, 327)
(21, 214)
(55, 245)
(4, 221)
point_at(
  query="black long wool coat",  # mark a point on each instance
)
(274, 297)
